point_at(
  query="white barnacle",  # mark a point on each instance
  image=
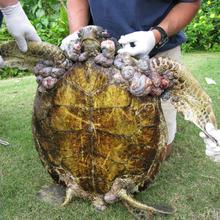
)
(144, 64)
(124, 59)
(108, 48)
(140, 86)
(155, 77)
(39, 79)
(117, 77)
(45, 71)
(49, 82)
(128, 72)
(103, 61)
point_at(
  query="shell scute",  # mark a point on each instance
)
(67, 119)
(87, 81)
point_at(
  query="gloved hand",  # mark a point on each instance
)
(68, 44)
(19, 26)
(144, 42)
(212, 148)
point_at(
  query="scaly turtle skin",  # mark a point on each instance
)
(37, 51)
(100, 131)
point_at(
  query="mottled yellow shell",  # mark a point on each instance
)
(97, 131)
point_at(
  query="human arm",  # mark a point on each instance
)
(78, 17)
(18, 24)
(5, 3)
(175, 21)
(78, 14)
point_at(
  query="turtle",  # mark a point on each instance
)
(97, 120)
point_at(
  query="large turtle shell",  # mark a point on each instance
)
(95, 130)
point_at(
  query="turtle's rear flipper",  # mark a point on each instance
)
(186, 95)
(142, 211)
(145, 215)
(137, 213)
(53, 194)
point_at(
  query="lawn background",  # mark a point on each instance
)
(188, 180)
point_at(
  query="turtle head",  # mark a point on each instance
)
(91, 37)
(93, 32)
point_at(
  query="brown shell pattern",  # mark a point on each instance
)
(97, 130)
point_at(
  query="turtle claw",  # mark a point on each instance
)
(69, 196)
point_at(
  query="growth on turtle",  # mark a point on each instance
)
(97, 121)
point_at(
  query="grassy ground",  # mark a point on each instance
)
(188, 180)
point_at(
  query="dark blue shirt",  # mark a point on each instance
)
(1, 17)
(121, 17)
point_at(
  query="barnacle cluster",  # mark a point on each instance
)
(140, 76)
(47, 75)
(94, 42)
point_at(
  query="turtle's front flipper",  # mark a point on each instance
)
(37, 51)
(186, 95)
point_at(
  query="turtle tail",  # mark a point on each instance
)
(140, 210)
(37, 51)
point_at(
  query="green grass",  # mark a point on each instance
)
(188, 180)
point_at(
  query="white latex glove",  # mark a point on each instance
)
(67, 45)
(212, 148)
(72, 46)
(144, 42)
(19, 26)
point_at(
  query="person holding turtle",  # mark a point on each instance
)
(143, 27)
(18, 26)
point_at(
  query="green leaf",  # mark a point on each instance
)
(40, 13)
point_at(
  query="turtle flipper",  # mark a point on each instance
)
(124, 196)
(186, 95)
(140, 214)
(137, 213)
(37, 51)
